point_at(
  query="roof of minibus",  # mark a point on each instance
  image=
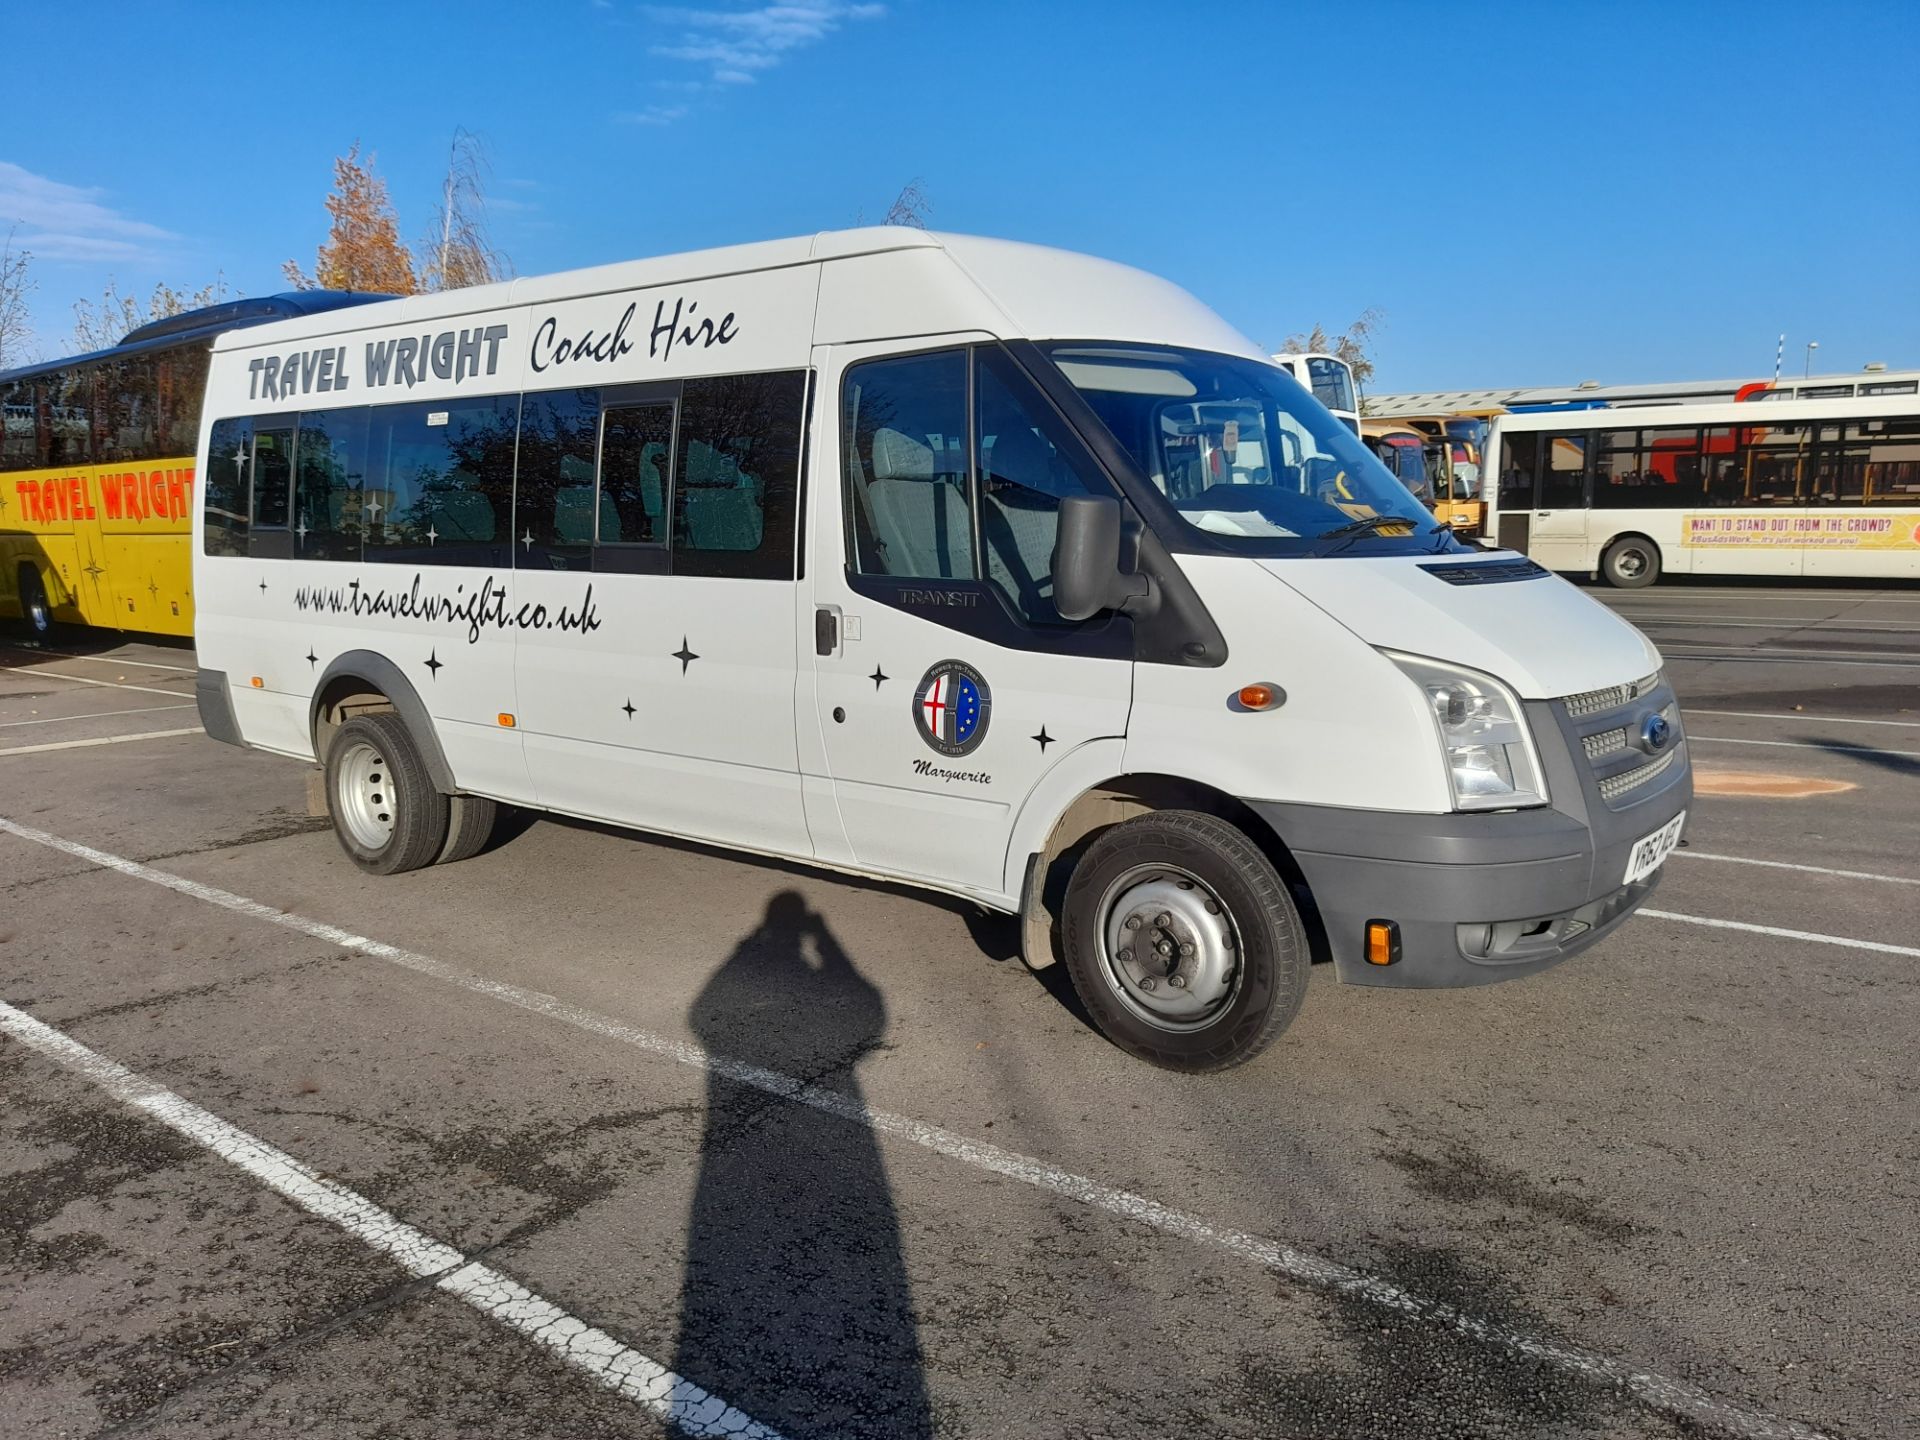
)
(1720, 412)
(1019, 290)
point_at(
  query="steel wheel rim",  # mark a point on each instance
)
(1170, 951)
(363, 795)
(1632, 561)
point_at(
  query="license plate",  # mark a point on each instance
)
(1650, 851)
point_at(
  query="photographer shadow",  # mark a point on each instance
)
(795, 1305)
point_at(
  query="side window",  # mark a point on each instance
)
(64, 404)
(18, 448)
(554, 503)
(1773, 463)
(225, 489)
(1563, 484)
(123, 412)
(636, 455)
(1029, 462)
(439, 486)
(737, 476)
(329, 473)
(272, 474)
(1519, 466)
(903, 425)
(180, 379)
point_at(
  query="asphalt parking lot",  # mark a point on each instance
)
(599, 1135)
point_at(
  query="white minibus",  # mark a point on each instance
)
(993, 569)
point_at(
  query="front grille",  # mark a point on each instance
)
(1607, 742)
(1612, 788)
(1592, 702)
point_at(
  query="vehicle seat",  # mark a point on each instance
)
(919, 517)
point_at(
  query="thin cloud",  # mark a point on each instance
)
(57, 221)
(738, 46)
(652, 115)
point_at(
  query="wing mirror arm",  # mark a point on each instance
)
(1090, 571)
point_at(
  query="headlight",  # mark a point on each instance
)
(1484, 738)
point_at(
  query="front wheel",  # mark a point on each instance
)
(1183, 943)
(1631, 563)
(386, 812)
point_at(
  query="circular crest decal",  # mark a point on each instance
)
(950, 707)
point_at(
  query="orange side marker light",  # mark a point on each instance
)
(257, 683)
(1259, 697)
(506, 720)
(1383, 942)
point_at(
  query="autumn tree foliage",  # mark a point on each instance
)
(97, 327)
(363, 249)
(1353, 345)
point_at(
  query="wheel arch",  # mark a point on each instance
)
(361, 680)
(1105, 803)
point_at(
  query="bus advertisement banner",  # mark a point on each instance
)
(1802, 529)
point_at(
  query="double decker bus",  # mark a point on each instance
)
(1826, 487)
(97, 472)
(1330, 379)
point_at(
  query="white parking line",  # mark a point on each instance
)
(1788, 865)
(100, 659)
(1755, 622)
(101, 740)
(1657, 1392)
(94, 715)
(1811, 935)
(1771, 657)
(1831, 747)
(38, 674)
(495, 1295)
(1795, 715)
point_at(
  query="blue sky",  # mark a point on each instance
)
(1532, 193)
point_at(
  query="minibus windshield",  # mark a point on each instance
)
(1244, 453)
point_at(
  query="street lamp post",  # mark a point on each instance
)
(1812, 345)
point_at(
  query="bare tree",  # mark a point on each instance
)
(16, 328)
(459, 250)
(911, 206)
(98, 327)
(1353, 345)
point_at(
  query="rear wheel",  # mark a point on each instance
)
(1631, 562)
(470, 821)
(387, 814)
(1183, 942)
(36, 611)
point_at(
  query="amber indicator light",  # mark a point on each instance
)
(257, 683)
(1383, 942)
(1257, 697)
(506, 720)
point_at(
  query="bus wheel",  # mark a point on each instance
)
(1631, 563)
(385, 810)
(1182, 941)
(469, 826)
(36, 611)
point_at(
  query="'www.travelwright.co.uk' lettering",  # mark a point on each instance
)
(482, 608)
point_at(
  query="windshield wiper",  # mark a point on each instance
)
(1371, 525)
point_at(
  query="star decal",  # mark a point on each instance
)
(312, 659)
(240, 457)
(685, 656)
(434, 663)
(94, 569)
(527, 540)
(263, 587)
(628, 707)
(1044, 739)
(373, 511)
(153, 587)
(879, 677)
(432, 534)
(301, 530)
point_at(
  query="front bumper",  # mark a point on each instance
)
(1486, 897)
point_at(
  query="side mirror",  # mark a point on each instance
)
(1087, 577)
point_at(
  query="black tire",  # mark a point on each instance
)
(387, 814)
(470, 821)
(1269, 975)
(1631, 562)
(36, 610)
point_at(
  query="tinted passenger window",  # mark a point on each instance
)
(19, 448)
(329, 475)
(1029, 462)
(180, 379)
(225, 488)
(904, 428)
(1563, 486)
(554, 518)
(272, 476)
(1519, 465)
(636, 453)
(64, 402)
(738, 475)
(439, 487)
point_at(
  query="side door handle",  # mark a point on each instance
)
(826, 630)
